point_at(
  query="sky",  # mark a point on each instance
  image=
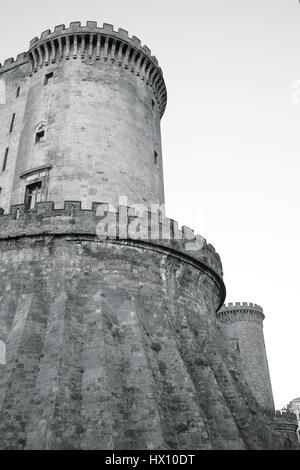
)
(230, 137)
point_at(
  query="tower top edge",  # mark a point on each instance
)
(238, 310)
(92, 27)
(95, 41)
(77, 27)
(241, 305)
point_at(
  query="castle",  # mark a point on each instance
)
(113, 328)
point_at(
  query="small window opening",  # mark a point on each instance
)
(155, 157)
(238, 347)
(39, 137)
(18, 92)
(48, 78)
(153, 104)
(2, 353)
(12, 122)
(33, 195)
(5, 160)
(0, 190)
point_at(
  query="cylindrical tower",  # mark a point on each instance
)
(91, 124)
(243, 325)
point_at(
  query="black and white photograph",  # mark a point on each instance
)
(150, 228)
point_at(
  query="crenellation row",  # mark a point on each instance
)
(92, 43)
(92, 26)
(287, 416)
(99, 44)
(285, 421)
(239, 305)
(126, 222)
(250, 316)
(8, 63)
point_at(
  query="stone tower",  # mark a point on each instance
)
(86, 119)
(243, 325)
(108, 328)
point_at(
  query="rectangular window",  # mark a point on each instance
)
(5, 160)
(155, 157)
(48, 78)
(39, 137)
(153, 104)
(12, 122)
(33, 195)
(18, 92)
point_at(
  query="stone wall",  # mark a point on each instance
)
(114, 344)
(114, 347)
(12, 104)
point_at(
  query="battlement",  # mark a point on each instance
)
(91, 43)
(239, 305)
(92, 27)
(11, 63)
(285, 421)
(101, 220)
(286, 416)
(241, 311)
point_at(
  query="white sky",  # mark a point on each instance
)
(230, 137)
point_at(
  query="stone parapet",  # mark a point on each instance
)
(126, 223)
(240, 311)
(92, 43)
(285, 421)
(11, 63)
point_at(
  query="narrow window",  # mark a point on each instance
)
(5, 160)
(153, 104)
(12, 122)
(39, 137)
(238, 347)
(18, 92)
(2, 352)
(48, 78)
(33, 195)
(155, 157)
(0, 190)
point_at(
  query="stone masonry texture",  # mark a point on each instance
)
(243, 324)
(111, 341)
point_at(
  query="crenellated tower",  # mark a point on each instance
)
(84, 105)
(243, 325)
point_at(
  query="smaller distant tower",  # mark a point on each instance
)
(294, 407)
(243, 325)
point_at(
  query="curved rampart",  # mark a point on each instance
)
(126, 223)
